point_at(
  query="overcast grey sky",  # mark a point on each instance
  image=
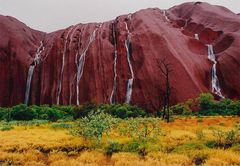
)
(51, 15)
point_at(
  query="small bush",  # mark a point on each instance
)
(191, 146)
(131, 146)
(22, 112)
(123, 111)
(226, 139)
(211, 144)
(205, 101)
(67, 110)
(200, 134)
(181, 109)
(34, 122)
(141, 128)
(6, 127)
(209, 107)
(54, 114)
(112, 147)
(94, 125)
(84, 110)
(4, 114)
(43, 116)
(236, 148)
(61, 126)
(142, 147)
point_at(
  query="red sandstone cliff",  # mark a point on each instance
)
(117, 61)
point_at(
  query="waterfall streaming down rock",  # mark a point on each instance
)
(165, 15)
(28, 84)
(113, 94)
(36, 61)
(211, 55)
(129, 90)
(81, 61)
(62, 68)
(196, 36)
(215, 82)
(128, 47)
(37, 58)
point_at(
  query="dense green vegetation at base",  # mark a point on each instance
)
(56, 112)
(203, 105)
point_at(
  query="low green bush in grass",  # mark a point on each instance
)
(61, 126)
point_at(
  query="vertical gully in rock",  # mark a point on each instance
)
(63, 65)
(114, 90)
(129, 56)
(72, 37)
(36, 61)
(80, 62)
(215, 82)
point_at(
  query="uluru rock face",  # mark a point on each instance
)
(118, 61)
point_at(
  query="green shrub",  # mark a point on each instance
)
(66, 119)
(226, 138)
(123, 111)
(56, 112)
(43, 116)
(131, 146)
(36, 109)
(200, 134)
(236, 147)
(4, 114)
(205, 100)
(180, 109)
(112, 147)
(206, 104)
(144, 133)
(67, 110)
(61, 126)
(84, 110)
(94, 125)
(141, 128)
(120, 112)
(142, 147)
(22, 112)
(191, 146)
(34, 122)
(6, 127)
(53, 114)
(211, 144)
(236, 110)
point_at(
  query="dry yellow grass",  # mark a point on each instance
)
(41, 145)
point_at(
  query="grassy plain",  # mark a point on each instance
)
(185, 141)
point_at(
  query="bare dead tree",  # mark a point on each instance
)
(165, 69)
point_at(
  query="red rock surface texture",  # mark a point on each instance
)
(98, 61)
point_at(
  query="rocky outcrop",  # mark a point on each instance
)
(118, 61)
